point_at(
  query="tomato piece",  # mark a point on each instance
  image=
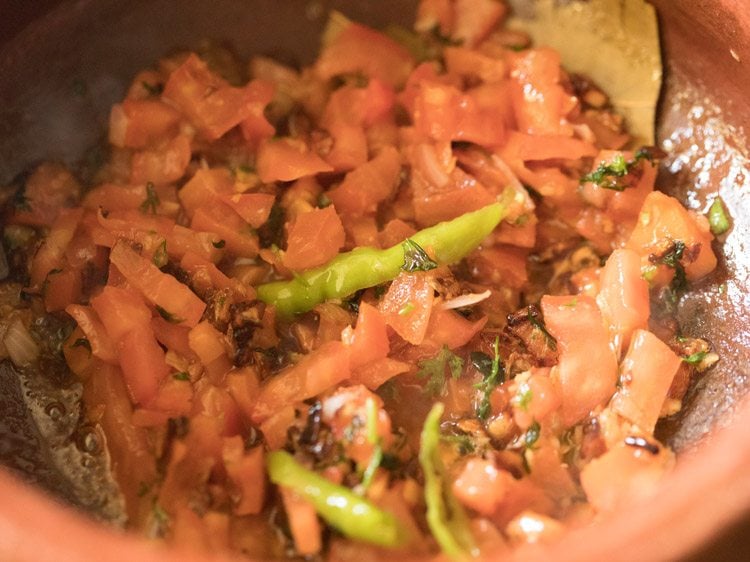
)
(49, 256)
(407, 305)
(368, 341)
(247, 472)
(62, 288)
(587, 368)
(475, 19)
(316, 372)
(376, 373)
(99, 340)
(243, 386)
(623, 294)
(444, 113)
(208, 187)
(663, 220)
(139, 123)
(165, 163)
(120, 311)
(369, 184)
(470, 63)
(288, 159)
(349, 148)
(539, 101)
(214, 106)
(481, 486)
(237, 235)
(115, 197)
(211, 348)
(360, 106)
(314, 238)
(143, 363)
(254, 208)
(623, 475)
(49, 189)
(358, 48)
(161, 289)
(174, 397)
(172, 336)
(646, 373)
(255, 127)
(449, 328)
(499, 265)
(303, 523)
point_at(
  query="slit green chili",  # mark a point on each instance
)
(445, 516)
(354, 516)
(362, 268)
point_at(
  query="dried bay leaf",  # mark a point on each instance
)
(613, 42)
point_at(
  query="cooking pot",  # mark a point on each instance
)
(63, 64)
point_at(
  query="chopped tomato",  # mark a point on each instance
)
(368, 341)
(303, 523)
(49, 256)
(139, 123)
(646, 374)
(481, 486)
(286, 159)
(587, 368)
(358, 48)
(314, 239)
(407, 305)
(254, 208)
(174, 299)
(246, 471)
(165, 163)
(369, 184)
(98, 338)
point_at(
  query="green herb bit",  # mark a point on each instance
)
(415, 258)
(532, 435)
(219, 244)
(672, 259)
(717, 217)
(446, 517)
(609, 175)
(354, 516)
(161, 257)
(695, 358)
(82, 342)
(491, 377)
(525, 396)
(463, 442)
(168, 316)
(152, 201)
(434, 370)
(181, 376)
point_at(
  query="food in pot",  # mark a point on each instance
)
(416, 297)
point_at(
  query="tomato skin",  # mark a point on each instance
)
(368, 341)
(139, 123)
(120, 310)
(539, 101)
(314, 238)
(143, 363)
(648, 370)
(587, 368)
(368, 185)
(358, 48)
(288, 160)
(254, 208)
(623, 294)
(407, 306)
(663, 220)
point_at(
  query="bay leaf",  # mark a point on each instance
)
(613, 42)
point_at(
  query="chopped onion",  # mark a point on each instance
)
(466, 300)
(21, 347)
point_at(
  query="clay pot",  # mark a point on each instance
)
(703, 111)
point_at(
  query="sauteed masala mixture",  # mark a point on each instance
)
(416, 298)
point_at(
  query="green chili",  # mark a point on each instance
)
(353, 515)
(445, 516)
(361, 268)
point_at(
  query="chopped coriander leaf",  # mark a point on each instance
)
(717, 217)
(151, 202)
(532, 435)
(407, 309)
(525, 396)
(672, 258)
(415, 258)
(434, 370)
(463, 442)
(490, 378)
(168, 316)
(181, 376)
(612, 175)
(324, 201)
(695, 358)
